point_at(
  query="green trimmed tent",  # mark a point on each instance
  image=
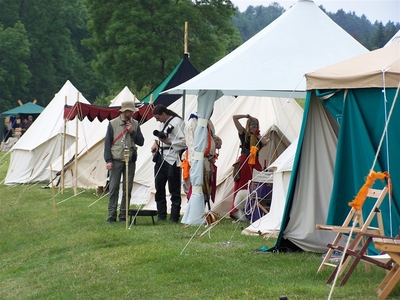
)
(348, 105)
(182, 72)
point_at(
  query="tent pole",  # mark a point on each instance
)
(185, 39)
(183, 104)
(63, 153)
(76, 148)
(126, 158)
(185, 50)
(52, 190)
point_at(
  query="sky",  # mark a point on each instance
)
(375, 10)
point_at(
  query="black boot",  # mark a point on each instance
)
(175, 213)
(161, 211)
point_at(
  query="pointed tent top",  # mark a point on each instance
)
(124, 95)
(182, 72)
(274, 61)
(49, 122)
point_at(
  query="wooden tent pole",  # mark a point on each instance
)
(126, 157)
(76, 147)
(63, 152)
(52, 190)
(185, 39)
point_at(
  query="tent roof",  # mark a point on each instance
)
(274, 61)
(50, 121)
(394, 39)
(284, 162)
(182, 72)
(27, 108)
(363, 71)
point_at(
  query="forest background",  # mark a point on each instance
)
(101, 46)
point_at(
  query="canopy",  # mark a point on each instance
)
(375, 69)
(274, 61)
(103, 113)
(27, 108)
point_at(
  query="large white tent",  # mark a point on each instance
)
(42, 143)
(277, 112)
(144, 177)
(91, 167)
(274, 61)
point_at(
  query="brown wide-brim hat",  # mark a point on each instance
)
(128, 105)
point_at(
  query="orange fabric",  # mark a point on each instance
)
(252, 157)
(185, 167)
(358, 201)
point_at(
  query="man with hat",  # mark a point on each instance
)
(123, 134)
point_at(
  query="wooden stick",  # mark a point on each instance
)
(52, 191)
(126, 156)
(186, 38)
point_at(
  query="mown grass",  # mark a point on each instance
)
(72, 253)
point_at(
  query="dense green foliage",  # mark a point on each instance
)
(102, 46)
(52, 51)
(139, 42)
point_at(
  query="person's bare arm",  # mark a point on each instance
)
(238, 125)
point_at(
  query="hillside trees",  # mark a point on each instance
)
(139, 42)
(14, 55)
(54, 29)
(256, 18)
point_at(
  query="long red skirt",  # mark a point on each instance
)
(246, 174)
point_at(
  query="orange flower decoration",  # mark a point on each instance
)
(358, 201)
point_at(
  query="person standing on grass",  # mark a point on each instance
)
(168, 148)
(123, 133)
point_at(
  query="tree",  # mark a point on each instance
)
(256, 18)
(54, 29)
(14, 72)
(139, 42)
(378, 38)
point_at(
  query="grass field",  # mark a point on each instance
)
(70, 252)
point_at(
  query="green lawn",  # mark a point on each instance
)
(72, 253)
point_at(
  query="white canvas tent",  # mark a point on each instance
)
(42, 143)
(282, 168)
(282, 113)
(91, 167)
(274, 61)
(271, 112)
(143, 190)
